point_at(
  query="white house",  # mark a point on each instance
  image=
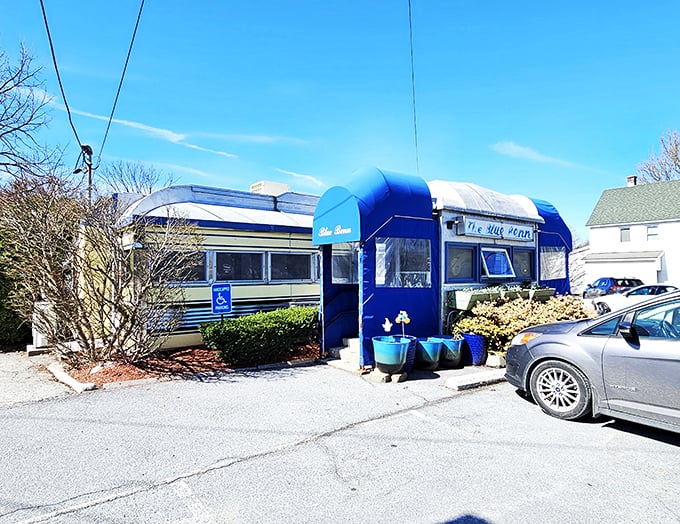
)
(634, 232)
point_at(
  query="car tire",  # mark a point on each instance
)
(601, 308)
(560, 390)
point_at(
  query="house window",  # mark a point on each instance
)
(496, 263)
(523, 264)
(460, 266)
(290, 266)
(402, 262)
(239, 266)
(652, 233)
(625, 234)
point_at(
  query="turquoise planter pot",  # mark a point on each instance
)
(390, 353)
(427, 352)
(452, 351)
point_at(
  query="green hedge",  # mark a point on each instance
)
(262, 338)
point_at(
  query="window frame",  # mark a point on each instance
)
(652, 236)
(474, 248)
(199, 281)
(532, 263)
(263, 268)
(484, 268)
(345, 251)
(400, 244)
(312, 273)
(624, 234)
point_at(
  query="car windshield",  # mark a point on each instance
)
(628, 282)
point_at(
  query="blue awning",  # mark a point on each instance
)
(371, 197)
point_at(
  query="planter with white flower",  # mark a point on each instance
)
(394, 354)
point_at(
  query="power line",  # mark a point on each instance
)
(56, 69)
(413, 85)
(120, 84)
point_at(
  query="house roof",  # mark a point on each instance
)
(628, 256)
(653, 202)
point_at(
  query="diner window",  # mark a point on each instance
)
(652, 233)
(460, 263)
(239, 266)
(523, 264)
(402, 262)
(345, 263)
(496, 263)
(553, 262)
(625, 234)
(290, 266)
(182, 267)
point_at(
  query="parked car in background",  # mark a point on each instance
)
(624, 364)
(606, 303)
(609, 285)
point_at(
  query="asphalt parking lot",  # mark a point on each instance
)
(319, 444)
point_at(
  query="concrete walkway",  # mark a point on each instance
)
(26, 379)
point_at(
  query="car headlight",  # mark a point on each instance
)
(523, 338)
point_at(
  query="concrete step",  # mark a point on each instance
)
(346, 357)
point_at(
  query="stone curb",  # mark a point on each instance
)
(58, 371)
(474, 380)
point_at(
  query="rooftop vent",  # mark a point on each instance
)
(269, 188)
(631, 180)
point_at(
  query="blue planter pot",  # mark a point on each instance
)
(390, 353)
(452, 351)
(474, 349)
(427, 352)
(411, 354)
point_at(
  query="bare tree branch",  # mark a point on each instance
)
(664, 166)
(23, 111)
(127, 177)
(98, 298)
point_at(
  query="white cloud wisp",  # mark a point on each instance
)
(509, 148)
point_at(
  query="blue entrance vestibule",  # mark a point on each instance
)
(378, 237)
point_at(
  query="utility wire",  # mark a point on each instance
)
(56, 69)
(413, 85)
(120, 84)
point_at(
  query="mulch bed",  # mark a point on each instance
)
(178, 362)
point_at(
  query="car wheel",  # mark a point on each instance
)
(601, 308)
(560, 390)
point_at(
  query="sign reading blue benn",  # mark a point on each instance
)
(492, 229)
(336, 231)
(221, 298)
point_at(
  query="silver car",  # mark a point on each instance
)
(606, 303)
(624, 364)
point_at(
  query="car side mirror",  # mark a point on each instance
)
(627, 329)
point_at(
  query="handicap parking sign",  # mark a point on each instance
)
(221, 298)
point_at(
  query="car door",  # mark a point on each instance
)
(641, 373)
(596, 288)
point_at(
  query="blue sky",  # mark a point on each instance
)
(553, 100)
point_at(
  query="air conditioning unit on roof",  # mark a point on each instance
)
(265, 187)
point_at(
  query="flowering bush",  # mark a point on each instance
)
(499, 321)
